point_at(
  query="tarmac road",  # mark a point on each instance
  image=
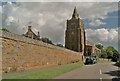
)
(100, 71)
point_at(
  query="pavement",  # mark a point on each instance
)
(102, 71)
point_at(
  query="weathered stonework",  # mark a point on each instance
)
(91, 49)
(75, 34)
(22, 53)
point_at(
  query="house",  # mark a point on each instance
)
(31, 34)
(91, 49)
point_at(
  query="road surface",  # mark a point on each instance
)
(100, 71)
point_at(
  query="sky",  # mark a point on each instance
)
(49, 18)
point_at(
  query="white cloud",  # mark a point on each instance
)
(0, 9)
(41, 22)
(107, 37)
(9, 20)
(50, 18)
(0, 15)
(96, 22)
(113, 35)
(67, 0)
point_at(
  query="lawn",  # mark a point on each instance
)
(50, 74)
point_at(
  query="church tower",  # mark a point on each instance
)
(75, 34)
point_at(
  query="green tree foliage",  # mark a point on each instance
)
(115, 55)
(47, 40)
(110, 53)
(103, 53)
(100, 46)
(4, 29)
(60, 45)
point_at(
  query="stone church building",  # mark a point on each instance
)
(75, 34)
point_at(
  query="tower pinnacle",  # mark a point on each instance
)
(75, 14)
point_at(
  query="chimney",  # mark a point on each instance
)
(38, 34)
(29, 28)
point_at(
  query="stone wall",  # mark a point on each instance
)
(21, 53)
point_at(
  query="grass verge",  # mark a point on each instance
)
(50, 74)
(104, 60)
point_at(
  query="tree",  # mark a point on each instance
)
(99, 46)
(103, 53)
(47, 40)
(4, 29)
(115, 55)
(60, 45)
(112, 53)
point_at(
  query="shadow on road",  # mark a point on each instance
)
(115, 73)
(117, 64)
(116, 79)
